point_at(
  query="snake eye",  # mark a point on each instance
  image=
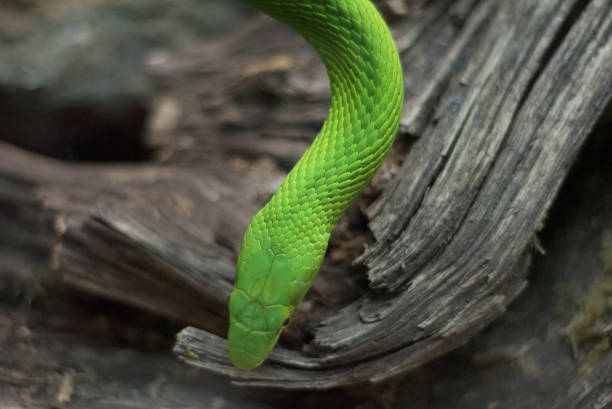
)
(286, 322)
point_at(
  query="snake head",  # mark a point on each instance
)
(267, 289)
(254, 329)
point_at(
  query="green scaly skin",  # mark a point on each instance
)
(285, 243)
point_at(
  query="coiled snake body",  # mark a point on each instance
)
(284, 245)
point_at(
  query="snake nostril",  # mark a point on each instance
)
(286, 322)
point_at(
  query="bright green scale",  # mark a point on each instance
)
(285, 243)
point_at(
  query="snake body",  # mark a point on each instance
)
(285, 243)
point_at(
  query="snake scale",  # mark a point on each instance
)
(285, 243)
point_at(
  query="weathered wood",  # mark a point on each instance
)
(70, 355)
(500, 98)
(550, 349)
(112, 231)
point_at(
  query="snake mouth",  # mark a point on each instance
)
(248, 348)
(243, 359)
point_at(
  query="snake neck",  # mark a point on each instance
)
(367, 94)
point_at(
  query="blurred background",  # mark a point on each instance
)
(73, 83)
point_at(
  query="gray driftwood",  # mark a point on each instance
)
(501, 96)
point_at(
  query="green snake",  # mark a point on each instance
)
(285, 243)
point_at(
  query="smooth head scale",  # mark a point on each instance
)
(285, 243)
